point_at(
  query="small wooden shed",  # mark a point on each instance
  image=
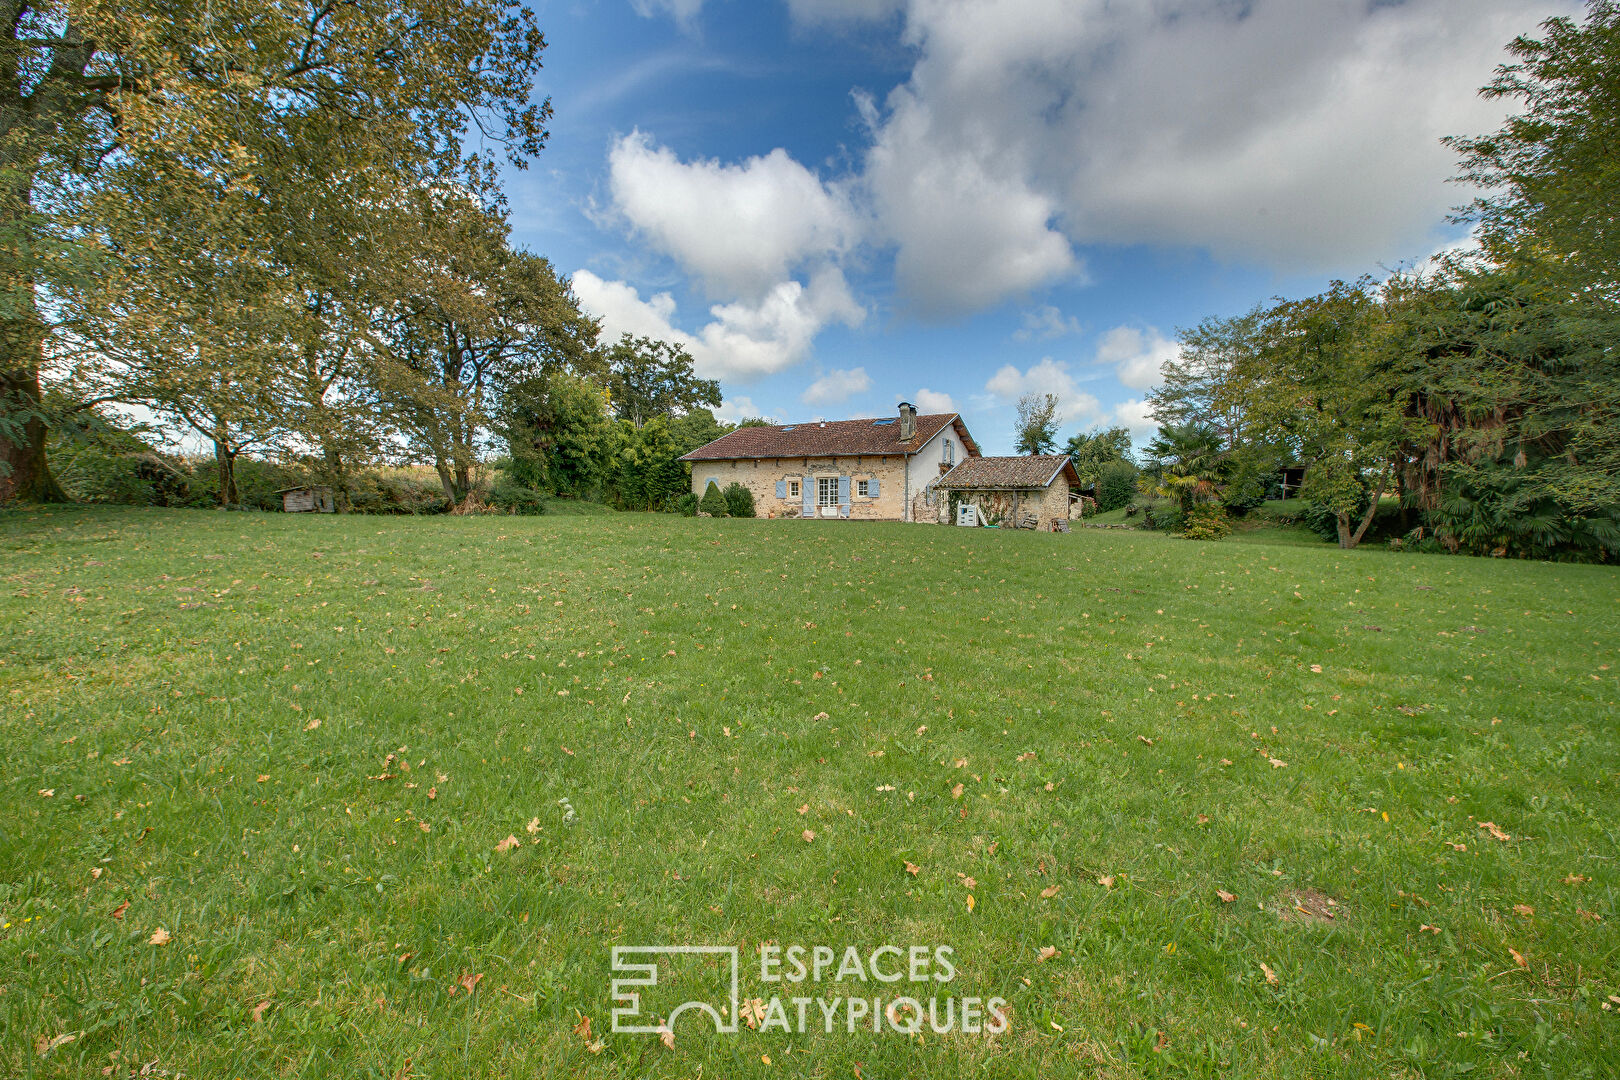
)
(307, 500)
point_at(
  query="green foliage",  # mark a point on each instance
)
(1090, 451)
(1035, 431)
(1116, 485)
(713, 502)
(515, 497)
(1205, 521)
(696, 427)
(648, 378)
(686, 504)
(1493, 508)
(739, 500)
(646, 471)
(558, 433)
(1166, 517)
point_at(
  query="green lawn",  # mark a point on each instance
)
(296, 746)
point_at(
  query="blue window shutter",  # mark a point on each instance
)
(781, 489)
(843, 496)
(808, 493)
(872, 487)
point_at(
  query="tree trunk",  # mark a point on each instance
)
(225, 461)
(447, 481)
(1349, 540)
(24, 475)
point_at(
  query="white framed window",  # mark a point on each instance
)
(793, 489)
(826, 491)
(861, 489)
(950, 452)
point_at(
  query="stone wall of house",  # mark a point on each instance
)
(1048, 505)
(761, 477)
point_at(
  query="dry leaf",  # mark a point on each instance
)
(258, 1011)
(312, 725)
(967, 882)
(1576, 879)
(44, 1046)
(1425, 928)
(807, 836)
(1524, 909)
(818, 716)
(752, 1012)
(1317, 668)
(1490, 827)
(1144, 739)
(1271, 976)
(666, 1036)
(1226, 897)
(971, 903)
(805, 809)
(1047, 952)
(508, 844)
(1050, 891)
(95, 872)
(469, 982)
(159, 936)
(1028, 755)
(1106, 881)
(47, 793)
(1276, 764)
(1518, 958)
(118, 912)
(1226, 761)
(913, 869)
(956, 792)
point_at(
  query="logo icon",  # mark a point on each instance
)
(646, 975)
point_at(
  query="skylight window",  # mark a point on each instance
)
(880, 423)
(790, 427)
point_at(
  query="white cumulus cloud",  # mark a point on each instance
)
(934, 401)
(742, 340)
(1049, 376)
(1136, 355)
(836, 386)
(740, 228)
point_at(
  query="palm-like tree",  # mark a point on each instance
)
(1189, 463)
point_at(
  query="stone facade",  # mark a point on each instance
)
(1048, 504)
(762, 477)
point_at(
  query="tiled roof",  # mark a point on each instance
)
(828, 438)
(992, 473)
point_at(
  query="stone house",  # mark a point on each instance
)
(852, 469)
(1014, 490)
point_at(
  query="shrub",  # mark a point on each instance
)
(1116, 485)
(1167, 517)
(1206, 521)
(739, 500)
(686, 505)
(713, 503)
(516, 497)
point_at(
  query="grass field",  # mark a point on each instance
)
(293, 749)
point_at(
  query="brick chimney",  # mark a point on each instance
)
(908, 421)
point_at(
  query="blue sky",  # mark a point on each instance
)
(836, 204)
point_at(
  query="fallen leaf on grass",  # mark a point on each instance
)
(43, 1046)
(1144, 739)
(258, 1011)
(1106, 881)
(971, 903)
(533, 826)
(807, 836)
(468, 982)
(1518, 957)
(508, 844)
(1425, 928)
(1226, 761)
(666, 1036)
(47, 793)
(313, 724)
(821, 716)
(1047, 952)
(1050, 891)
(1490, 827)
(1576, 879)
(913, 869)
(752, 1012)
(1226, 897)
(805, 809)
(1524, 909)
(967, 882)
(1028, 755)
(1271, 976)
(159, 936)
(1276, 764)
(956, 792)
(118, 912)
